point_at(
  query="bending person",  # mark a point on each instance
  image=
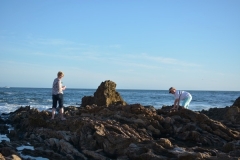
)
(186, 98)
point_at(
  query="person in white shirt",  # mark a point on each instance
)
(183, 96)
(57, 95)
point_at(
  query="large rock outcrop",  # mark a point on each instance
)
(122, 132)
(227, 114)
(237, 102)
(105, 95)
(108, 128)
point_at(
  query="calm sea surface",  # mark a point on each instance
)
(40, 98)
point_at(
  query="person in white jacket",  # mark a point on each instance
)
(57, 95)
(183, 96)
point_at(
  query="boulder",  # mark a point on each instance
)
(8, 151)
(233, 114)
(228, 115)
(237, 102)
(105, 95)
(87, 100)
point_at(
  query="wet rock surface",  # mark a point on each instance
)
(123, 132)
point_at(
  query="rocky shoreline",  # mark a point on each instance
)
(116, 130)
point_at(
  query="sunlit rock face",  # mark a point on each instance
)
(105, 95)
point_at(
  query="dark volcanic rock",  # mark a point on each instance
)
(126, 132)
(237, 102)
(229, 116)
(105, 95)
(87, 100)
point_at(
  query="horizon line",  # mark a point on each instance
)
(7, 87)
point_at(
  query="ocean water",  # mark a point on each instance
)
(40, 98)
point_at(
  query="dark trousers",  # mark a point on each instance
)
(57, 98)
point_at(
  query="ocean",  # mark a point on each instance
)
(40, 98)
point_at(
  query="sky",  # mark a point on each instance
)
(138, 44)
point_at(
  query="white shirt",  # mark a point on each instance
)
(57, 87)
(181, 94)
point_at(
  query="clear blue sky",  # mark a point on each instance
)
(144, 44)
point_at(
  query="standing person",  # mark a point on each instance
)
(57, 95)
(186, 98)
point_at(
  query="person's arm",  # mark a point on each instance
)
(62, 87)
(176, 103)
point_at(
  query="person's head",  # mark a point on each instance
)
(60, 74)
(172, 90)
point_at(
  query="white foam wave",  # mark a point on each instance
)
(7, 108)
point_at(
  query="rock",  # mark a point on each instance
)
(228, 147)
(150, 107)
(67, 148)
(3, 129)
(233, 114)
(166, 143)
(8, 151)
(94, 155)
(12, 133)
(1, 157)
(237, 102)
(229, 116)
(105, 95)
(155, 132)
(87, 100)
(13, 157)
(122, 132)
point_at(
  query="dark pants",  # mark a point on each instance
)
(57, 98)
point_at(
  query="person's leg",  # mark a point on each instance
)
(61, 107)
(54, 105)
(61, 113)
(186, 102)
